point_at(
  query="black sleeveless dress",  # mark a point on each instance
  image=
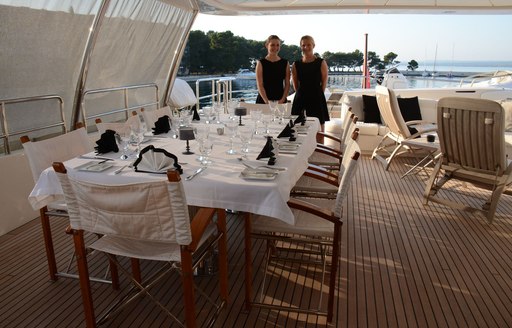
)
(274, 74)
(309, 96)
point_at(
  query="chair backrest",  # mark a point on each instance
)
(472, 134)
(265, 108)
(148, 211)
(348, 129)
(182, 95)
(133, 122)
(347, 172)
(41, 154)
(390, 112)
(151, 116)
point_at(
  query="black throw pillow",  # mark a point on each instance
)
(410, 109)
(371, 110)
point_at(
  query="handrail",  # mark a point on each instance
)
(217, 84)
(127, 107)
(6, 134)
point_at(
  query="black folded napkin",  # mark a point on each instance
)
(266, 152)
(162, 125)
(195, 116)
(301, 119)
(286, 133)
(107, 143)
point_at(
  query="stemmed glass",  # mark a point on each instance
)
(231, 129)
(245, 132)
(273, 107)
(256, 117)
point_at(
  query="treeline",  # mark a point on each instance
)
(224, 52)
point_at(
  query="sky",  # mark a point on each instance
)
(457, 37)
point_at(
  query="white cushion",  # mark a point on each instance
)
(507, 106)
(182, 94)
(356, 103)
(368, 128)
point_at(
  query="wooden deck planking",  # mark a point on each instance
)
(402, 264)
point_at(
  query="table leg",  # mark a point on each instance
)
(248, 261)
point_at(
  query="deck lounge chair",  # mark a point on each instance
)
(471, 135)
(391, 144)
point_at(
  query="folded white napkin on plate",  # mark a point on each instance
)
(156, 160)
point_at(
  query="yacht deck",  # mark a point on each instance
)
(403, 264)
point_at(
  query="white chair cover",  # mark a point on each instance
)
(182, 95)
(151, 116)
(153, 211)
(133, 122)
(41, 154)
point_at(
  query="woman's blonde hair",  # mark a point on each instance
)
(308, 38)
(272, 37)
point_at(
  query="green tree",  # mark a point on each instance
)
(197, 59)
(389, 59)
(412, 65)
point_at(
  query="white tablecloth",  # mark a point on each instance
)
(220, 186)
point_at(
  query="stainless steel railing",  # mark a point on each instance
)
(7, 133)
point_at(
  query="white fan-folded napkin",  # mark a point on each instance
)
(156, 160)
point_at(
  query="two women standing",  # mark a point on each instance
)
(309, 75)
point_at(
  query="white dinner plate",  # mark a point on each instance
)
(94, 166)
(258, 175)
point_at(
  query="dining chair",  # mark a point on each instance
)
(151, 116)
(40, 155)
(321, 182)
(146, 221)
(329, 156)
(471, 136)
(316, 230)
(391, 144)
(123, 128)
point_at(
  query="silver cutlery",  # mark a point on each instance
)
(120, 169)
(104, 159)
(263, 167)
(199, 170)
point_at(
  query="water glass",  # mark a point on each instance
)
(208, 111)
(218, 108)
(123, 141)
(281, 109)
(231, 130)
(256, 117)
(246, 133)
(232, 104)
(266, 119)
(273, 108)
(205, 148)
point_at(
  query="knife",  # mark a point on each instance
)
(199, 170)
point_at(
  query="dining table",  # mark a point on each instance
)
(221, 185)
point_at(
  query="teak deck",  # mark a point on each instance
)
(403, 264)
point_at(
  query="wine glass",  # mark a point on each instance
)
(231, 130)
(273, 106)
(256, 117)
(245, 132)
(232, 104)
(205, 148)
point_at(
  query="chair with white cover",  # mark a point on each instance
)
(145, 220)
(123, 128)
(471, 137)
(328, 156)
(391, 144)
(40, 155)
(151, 116)
(322, 182)
(317, 229)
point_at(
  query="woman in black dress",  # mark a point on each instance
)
(309, 76)
(272, 74)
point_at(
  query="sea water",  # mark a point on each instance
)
(247, 88)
